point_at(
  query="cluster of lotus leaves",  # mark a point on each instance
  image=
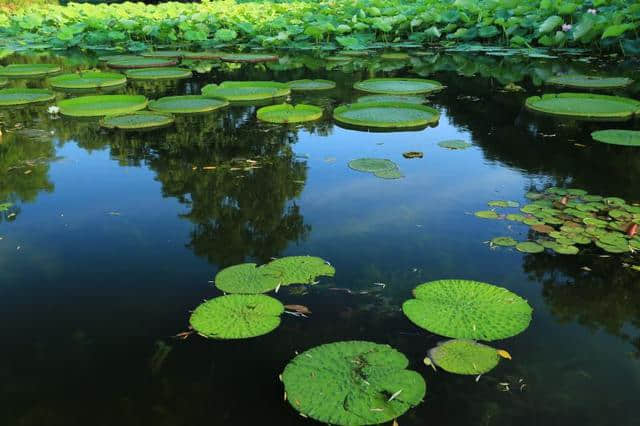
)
(168, 73)
(101, 105)
(28, 70)
(249, 278)
(579, 81)
(140, 62)
(236, 91)
(462, 356)
(398, 86)
(586, 106)
(140, 120)
(21, 96)
(380, 167)
(386, 115)
(87, 80)
(311, 85)
(187, 104)
(464, 309)
(286, 113)
(352, 383)
(237, 316)
(617, 137)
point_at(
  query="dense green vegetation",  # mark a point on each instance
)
(354, 24)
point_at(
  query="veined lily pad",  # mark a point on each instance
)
(465, 309)
(141, 63)
(158, 73)
(618, 137)
(101, 105)
(454, 144)
(247, 278)
(464, 357)
(187, 104)
(407, 99)
(28, 70)
(310, 85)
(589, 82)
(585, 105)
(398, 86)
(529, 247)
(87, 80)
(248, 57)
(487, 214)
(235, 91)
(386, 115)
(20, 96)
(504, 241)
(237, 316)
(286, 113)
(352, 383)
(141, 120)
(298, 269)
(380, 167)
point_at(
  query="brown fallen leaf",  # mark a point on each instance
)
(298, 308)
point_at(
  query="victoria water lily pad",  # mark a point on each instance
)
(158, 73)
(237, 316)
(464, 357)
(407, 99)
(589, 82)
(248, 57)
(20, 96)
(140, 120)
(101, 105)
(87, 80)
(286, 113)
(28, 70)
(585, 106)
(107, 58)
(235, 91)
(352, 383)
(298, 269)
(503, 203)
(464, 309)
(187, 104)
(247, 278)
(398, 86)
(529, 247)
(454, 144)
(386, 115)
(504, 241)
(618, 137)
(163, 54)
(487, 214)
(380, 167)
(141, 63)
(310, 85)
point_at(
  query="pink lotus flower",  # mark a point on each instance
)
(566, 27)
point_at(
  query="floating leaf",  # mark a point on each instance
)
(585, 105)
(589, 82)
(141, 63)
(163, 54)
(503, 354)
(101, 105)
(386, 115)
(380, 167)
(286, 113)
(20, 96)
(394, 56)
(298, 269)
(87, 80)
(407, 99)
(235, 91)
(504, 241)
(28, 70)
(502, 203)
(248, 57)
(529, 247)
(311, 85)
(454, 144)
(187, 104)
(158, 73)
(413, 154)
(618, 137)
(543, 229)
(247, 278)
(487, 214)
(464, 357)
(565, 249)
(141, 120)
(398, 86)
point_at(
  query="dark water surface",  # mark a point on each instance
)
(115, 237)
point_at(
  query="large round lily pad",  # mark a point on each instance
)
(380, 167)
(187, 104)
(140, 120)
(398, 86)
(248, 57)
(386, 115)
(286, 113)
(407, 99)
(618, 137)
(352, 383)
(158, 73)
(141, 63)
(585, 106)
(21, 96)
(465, 309)
(589, 82)
(87, 80)
(298, 269)
(101, 105)
(464, 357)
(237, 316)
(28, 70)
(247, 278)
(237, 91)
(311, 85)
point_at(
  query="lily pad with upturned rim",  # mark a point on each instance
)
(462, 356)
(585, 106)
(286, 113)
(408, 99)
(618, 137)
(311, 85)
(22, 96)
(141, 63)
(455, 145)
(87, 80)
(248, 57)
(589, 82)
(28, 70)
(101, 105)
(187, 104)
(140, 120)
(237, 316)
(352, 383)
(158, 73)
(388, 115)
(398, 86)
(237, 91)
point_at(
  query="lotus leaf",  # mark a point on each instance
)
(614, 201)
(407, 99)
(247, 278)
(248, 57)
(464, 357)
(386, 115)
(87, 80)
(585, 105)
(158, 73)
(398, 86)
(592, 198)
(454, 144)
(502, 203)
(286, 113)
(487, 214)
(101, 105)
(298, 269)
(237, 316)
(141, 120)
(187, 104)
(141, 63)
(235, 91)
(352, 383)
(504, 241)
(19, 96)
(28, 70)
(382, 168)
(618, 137)
(589, 82)
(529, 247)
(311, 85)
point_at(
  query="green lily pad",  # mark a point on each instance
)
(28, 70)
(534, 195)
(487, 214)
(585, 105)
(141, 63)
(618, 137)
(338, 58)
(141, 120)
(389, 174)
(311, 85)
(204, 56)
(298, 269)
(101, 105)
(614, 201)
(592, 221)
(163, 54)
(380, 167)
(464, 309)
(248, 57)
(612, 248)
(107, 58)
(237, 316)
(464, 357)
(529, 247)
(386, 115)
(565, 249)
(592, 198)
(407, 99)
(247, 278)
(454, 144)
(87, 80)
(398, 86)
(503, 203)
(394, 56)
(352, 383)
(158, 73)
(504, 241)
(20, 96)
(3, 82)
(235, 91)
(577, 81)
(286, 113)
(187, 104)
(515, 217)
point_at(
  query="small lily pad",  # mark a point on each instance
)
(515, 217)
(141, 63)
(28, 70)
(464, 357)
(311, 85)
(578, 81)
(140, 120)
(503, 203)
(543, 229)
(618, 137)
(380, 167)
(585, 105)
(248, 57)
(158, 73)
(21, 96)
(286, 113)
(187, 104)
(565, 249)
(235, 91)
(487, 214)
(407, 99)
(413, 154)
(454, 144)
(101, 105)
(398, 86)
(504, 241)
(87, 80)
(529, 247)
(386, 115)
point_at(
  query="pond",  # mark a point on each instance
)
(109, 240)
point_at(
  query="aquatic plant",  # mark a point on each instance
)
(28, 70)
(101, 105)
(380, 167)
(617, 137)
(140, 120)
(132, 63)
(311, 85)
(286, 113)
(386, 115)
(87, 80)
(461, 356)
(454, 145)
(158, 73)
(585, 106)
(409, 99)
(589, 82)
(187, 104)
(236, 91)
(21, 96)
(398, 86)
